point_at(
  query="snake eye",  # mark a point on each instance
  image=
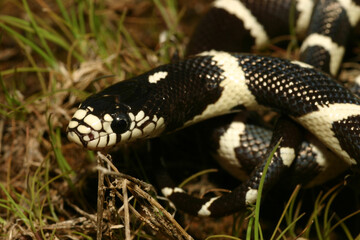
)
(120, 124)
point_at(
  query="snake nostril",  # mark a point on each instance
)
(91, 136)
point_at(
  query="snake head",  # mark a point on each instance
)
(112, 116)
(97, 127)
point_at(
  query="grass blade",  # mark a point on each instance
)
(258, 200)
(50, 55)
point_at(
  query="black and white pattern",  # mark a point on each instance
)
(214, 83)
(242, 146)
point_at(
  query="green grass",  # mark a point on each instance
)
(64, 50)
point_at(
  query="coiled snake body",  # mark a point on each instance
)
(213, 83)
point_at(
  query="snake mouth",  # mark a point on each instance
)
(93, 140)
(90, 131)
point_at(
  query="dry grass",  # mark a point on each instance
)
(53, 54)
(50, 63)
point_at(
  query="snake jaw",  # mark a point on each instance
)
(74, 137)
(91, 131)
(97, 133)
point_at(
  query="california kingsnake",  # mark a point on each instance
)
(213, 83)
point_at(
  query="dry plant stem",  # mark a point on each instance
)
(67, 225)
(123, 176)
(155, 215)
(100, 201)
(132, 209)
(173, 229)
(1, 133)
(107, 159)
(82, 212)
(126, 210)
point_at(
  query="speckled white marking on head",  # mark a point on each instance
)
(336, 51)
(73, 124)
(149, 128)
(131, 116)
(141, 122)
(80, 114)
(103, 142)
(352, 11)
(93, 144)
(287, 155)
(136, 133)
(305, 8)
(74, 138)
(108, 118)
(226, 151)
(250, 197)
(126, 136)
(132, 125)
(139, 116)
(107, 127)
(250, 22)
(301, 64)
(204, 210)
(233, 84)
(95, 134)
(112, 139)
(159, 126)
(159, 121)
(320, 124)
(108, 138)
(157, 77)
(83, 129)
(93, 121)
(154, 128)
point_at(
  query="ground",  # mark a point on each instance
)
(53, 55)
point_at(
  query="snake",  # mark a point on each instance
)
(219, 77)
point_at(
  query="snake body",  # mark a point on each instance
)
(213, 83)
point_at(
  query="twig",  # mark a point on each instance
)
(100, 201)
(126, 210)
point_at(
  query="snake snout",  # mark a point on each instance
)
(91, 131)
(74, 137)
